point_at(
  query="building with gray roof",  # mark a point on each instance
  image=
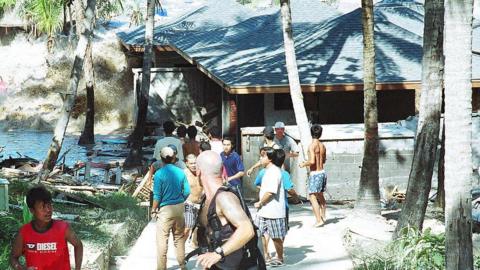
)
(242, 52)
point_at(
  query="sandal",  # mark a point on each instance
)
(276, 263)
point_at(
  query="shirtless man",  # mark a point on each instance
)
(192, 204)
(237, 229)
(318, 178)
(191, 146)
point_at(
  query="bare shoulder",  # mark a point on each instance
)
(227, 200)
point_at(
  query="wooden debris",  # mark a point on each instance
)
(9, 172)
(144, 188)
(30, 168)
(70, 217)
(68, 202)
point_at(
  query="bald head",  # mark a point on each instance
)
(210, 164)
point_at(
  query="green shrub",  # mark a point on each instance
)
(411, 251)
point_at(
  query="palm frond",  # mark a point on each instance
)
(46, 15)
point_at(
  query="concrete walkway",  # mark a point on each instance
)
(306, 247)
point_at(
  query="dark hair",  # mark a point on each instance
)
(276, 156)
(268, 132)
(38, 194)
(168, 127)
(192, 132)
(279, 157)
(264, 149)
(228, 138)
(168, 160)
(214, 132)
(316, 131)
(181, 131)
(205, 146)
(270, 152)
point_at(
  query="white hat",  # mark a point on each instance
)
(279, 125)
(167, 152)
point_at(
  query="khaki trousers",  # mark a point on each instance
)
(170, 219)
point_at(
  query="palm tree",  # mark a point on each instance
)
(368, 196)
(46, 16)
(69, 101)
(420, 179)
(293, 78)
(134, 158)
(458, 134)
(440, 199)
(87, 136)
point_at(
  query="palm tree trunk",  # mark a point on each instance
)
(458, 134)
(420, 179)
(88, 134)
(368, 196)
(293, 78)
(135, 156)
(69, 102)
(440, 200)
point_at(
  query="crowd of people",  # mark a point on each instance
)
(213, 171)
(197, 194)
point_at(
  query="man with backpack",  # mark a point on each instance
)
(226, 230)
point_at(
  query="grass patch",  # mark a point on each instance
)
(94, 225)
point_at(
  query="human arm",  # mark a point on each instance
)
(293, 193)
(239, 168)
(270, 186)
(17, 252)
(311, 158)
(293, 148)
(156, 195)
(186, 188)
(235, 176)
(264, 200)
(72, 238)
(252, 169)
(229, 206)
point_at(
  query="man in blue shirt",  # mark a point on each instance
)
(170, 190)
(232, 163)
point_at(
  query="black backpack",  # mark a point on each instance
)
(250, 256)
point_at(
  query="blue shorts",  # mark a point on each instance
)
(317, 182)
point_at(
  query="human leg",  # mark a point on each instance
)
(323, 206)
(179, 237)
(164, 225)
(265, 240)
(277, 230)
(314, 187)
(278, 243)
(316, 209)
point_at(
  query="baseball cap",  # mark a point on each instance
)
(167, 152)
(174, 148)
(279, 125)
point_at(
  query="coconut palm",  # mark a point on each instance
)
(458, 134)
(293, 79)
(368, 196)
(135, 155)
(88, 135)
(46, 17)
(420, 179)
(69, 100)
